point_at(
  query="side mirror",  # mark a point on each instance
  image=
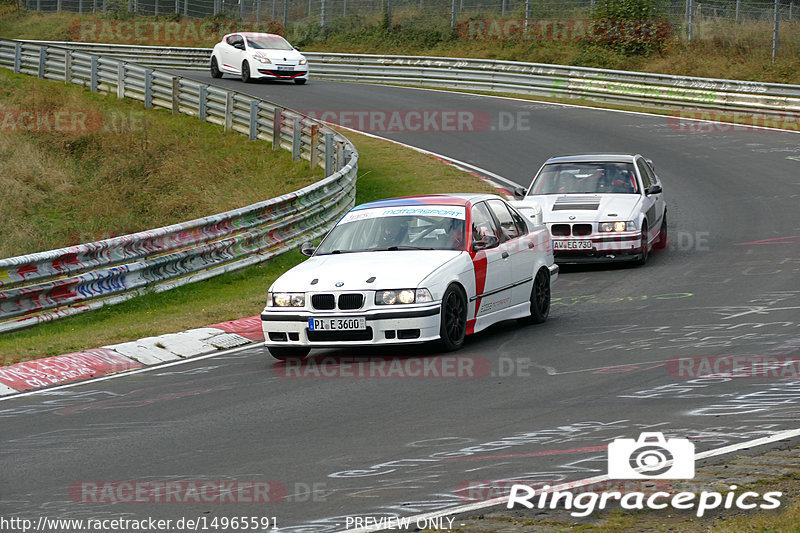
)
(308, 249)
(239, 46)
(485, 243)
(520, 192)
(296, 48)
(653, 189)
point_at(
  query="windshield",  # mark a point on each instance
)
(566, 178)
(268, 42)
(397, 228)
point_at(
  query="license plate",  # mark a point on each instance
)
(337, 324)
(582, 244)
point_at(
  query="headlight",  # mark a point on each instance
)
(286, 299)
(402, 296)
(302, 61)
(605, 227)
(261, 59)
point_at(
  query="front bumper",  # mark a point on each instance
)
(621, 246)
(282, 73)
(408, 325)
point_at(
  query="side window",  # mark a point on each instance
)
(522, 226)
(644, 171)
(482, 223)
(231, 39)
(508, 226)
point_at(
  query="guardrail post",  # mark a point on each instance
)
(329, 154)
(93, 75)
(80, 7)
(94, 6)
(38, 5)
(58, 6)
(104, 6)
(253, 120)
(201, 107)
(277, 119)
(297, 131)
(68, 66)
(148, 88)
(120, 80)
(17, 57)
(176, 95)
(155, 10)
(186, 7)
(228, 111)
(42, 61)
(314, 140)
(340, 155)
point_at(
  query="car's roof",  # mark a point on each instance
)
(590, 158)
(429, 199)
(252, 34)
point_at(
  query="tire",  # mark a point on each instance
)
(301, 81)
(540, 298)
(453, 328)
(645, 253)
(663, 239)
(245, 72)
(215, 71)
(288, 352)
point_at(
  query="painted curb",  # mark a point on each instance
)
(115, 358)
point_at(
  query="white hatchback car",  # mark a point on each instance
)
(412, 270)
(258, 55)
(600, 207)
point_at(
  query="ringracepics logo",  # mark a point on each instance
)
(650, 456)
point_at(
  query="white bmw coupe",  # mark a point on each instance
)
(412, 270)
(258, 55)
(600, 207)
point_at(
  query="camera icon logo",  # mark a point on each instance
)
(651, 457)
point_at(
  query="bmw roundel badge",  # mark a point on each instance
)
(339, 283)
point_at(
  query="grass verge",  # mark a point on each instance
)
(81, 167)
(385, 170)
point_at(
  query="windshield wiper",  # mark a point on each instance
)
(396, 248)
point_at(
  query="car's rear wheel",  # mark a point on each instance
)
(540, 298)
(245, 71)
(645, 253)
(288, 352)
(453, 328)
(300, 81)
(215, 71)
(663, 240)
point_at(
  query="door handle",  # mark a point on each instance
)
(505, 255)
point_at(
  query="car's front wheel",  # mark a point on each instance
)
(663, 238)
(288, 352)
(645, 248)
(453, 328)
(215, 71)
(540, 298)
(245, 71)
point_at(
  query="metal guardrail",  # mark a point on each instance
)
(631, 88)
(48, 285)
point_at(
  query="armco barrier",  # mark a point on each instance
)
(631, 88)
(48, 285)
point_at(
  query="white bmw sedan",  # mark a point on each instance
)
(258, 55)
(600, 207)
(413, 270)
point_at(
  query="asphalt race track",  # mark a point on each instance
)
(539, 402)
